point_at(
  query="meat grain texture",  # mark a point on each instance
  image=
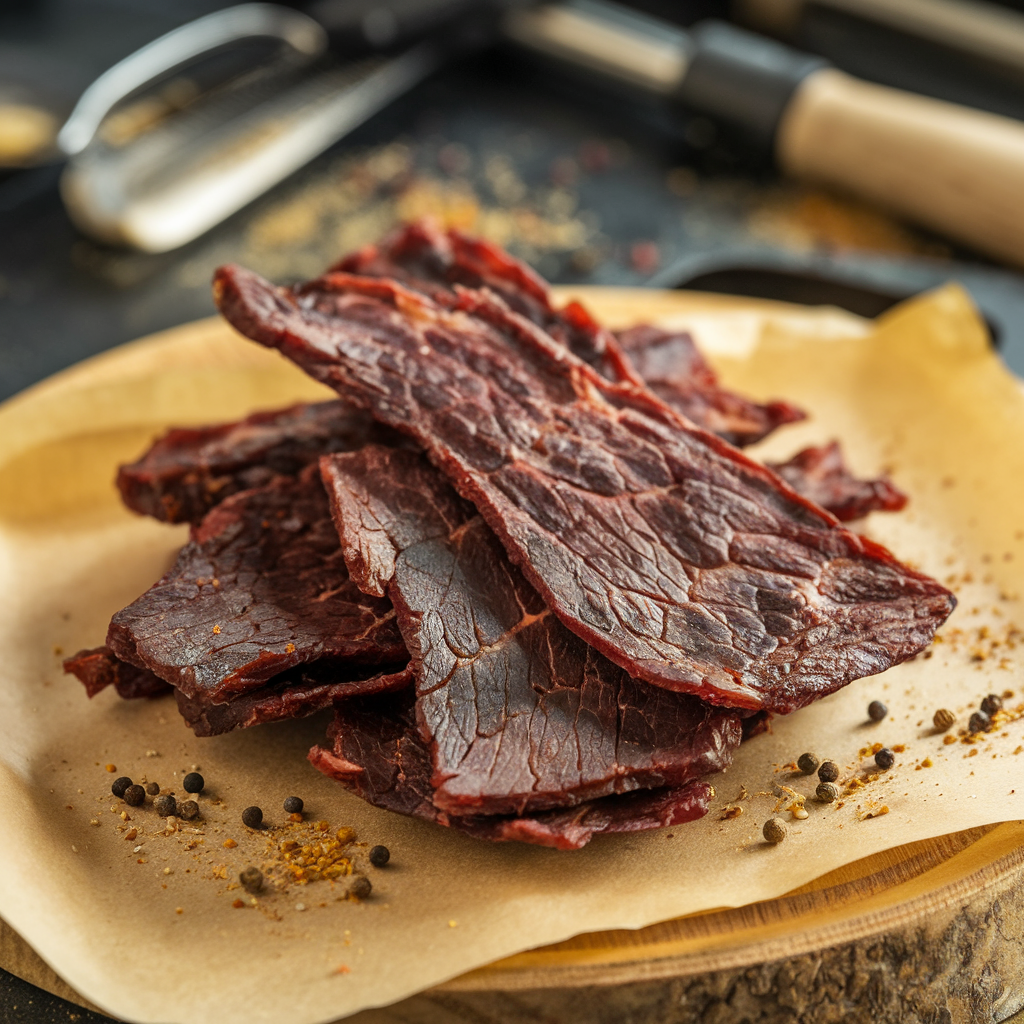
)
(519, 713)
(260, 589)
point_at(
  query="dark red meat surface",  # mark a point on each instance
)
(433, 261)
(295, 694)
(662, 546)
(99, 668)
(375, 750)
(260, 588)
(821, 475)
(674, 369)
(519, 713)
(189, 470)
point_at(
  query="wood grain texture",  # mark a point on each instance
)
(927, 933)
(957, 171)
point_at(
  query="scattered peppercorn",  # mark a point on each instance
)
(980, 722)
(251, 879)
(361, 887)
(118, 786)
(152, 788)
(193, 783)
(379, 856)
(252, 817)
(991, 704)
(885, 758)
(827, 792)
(877, 711)
(293, 804)
(166, 806)
(828, 771)
(774, 830)
(943, 719)
(808, 763)
(189, 810)
(134, 795)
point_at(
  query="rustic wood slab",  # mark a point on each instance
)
(927, 933)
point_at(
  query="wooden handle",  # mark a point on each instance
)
(955, 170)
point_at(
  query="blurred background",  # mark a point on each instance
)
(139, 148)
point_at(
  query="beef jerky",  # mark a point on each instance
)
(675, 370)
(821, 475)
(189, 470)
(375, 750)
(520, 714)
(99, 668)
(260, 588)
(434, 261)
(680, 559)
(292, 695)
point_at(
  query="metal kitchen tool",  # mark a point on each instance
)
(956, 170)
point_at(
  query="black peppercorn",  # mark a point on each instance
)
(877, 711)
(189, 810)
(808, 763)
(120, 785)
(251, 879)
(379, 856)
(774, 830)
(134, 795)
(152, 788)
(991, 704)
(828, 771)
(193, 783)
(165, 806)
(293, 804)
(361, 887)
(827, 792)
(252, 817)
(885, 759)
(980, 722)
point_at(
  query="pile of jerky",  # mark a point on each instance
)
(521, 556)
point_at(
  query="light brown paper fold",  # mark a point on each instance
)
(921, 395)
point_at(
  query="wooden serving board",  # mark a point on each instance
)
(929, 932)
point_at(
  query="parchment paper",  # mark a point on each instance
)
(921, 394)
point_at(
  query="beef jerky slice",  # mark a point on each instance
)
(189, 470)
(98, 668)
(375, 750)
(661, 545)
(433, 261)
(520, 714)
(675, 370)
(259, 589)
(820, 474)
(294, 694)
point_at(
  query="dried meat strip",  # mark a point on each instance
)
(293, 695)
(260, 588)
(675, 370)
(433, 261)
(375, 750)
(99, 667)
(686, 563)
(821, 475)
(520, 714)
(189, 470)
